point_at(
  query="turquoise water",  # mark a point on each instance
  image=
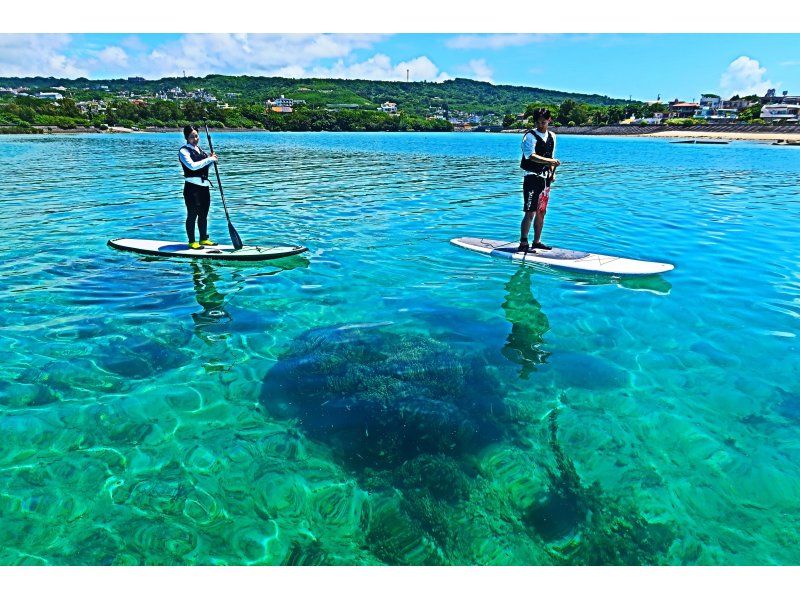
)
(391, 398)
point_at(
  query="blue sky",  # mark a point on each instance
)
(641, 66)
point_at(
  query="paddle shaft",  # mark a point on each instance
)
(216, 171)
(235, 238)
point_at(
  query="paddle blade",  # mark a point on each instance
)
(544, 197)
(235, 238)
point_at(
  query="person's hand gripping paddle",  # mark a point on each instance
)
(235, 238)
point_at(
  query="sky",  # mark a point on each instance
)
(620, 65)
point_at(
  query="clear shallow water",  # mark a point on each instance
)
(388, 399)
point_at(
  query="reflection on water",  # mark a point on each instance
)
(213, 315)
(528, 324)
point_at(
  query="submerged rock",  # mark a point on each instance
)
(714, 355)
(381, 398)
(788, 405)
(583, 370)
(141, 357)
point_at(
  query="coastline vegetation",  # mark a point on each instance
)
(25, 114)
(239, 102)
(320, 105)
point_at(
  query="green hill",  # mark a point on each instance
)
(413, 98)
(324, 104)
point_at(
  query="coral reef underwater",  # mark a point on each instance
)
(424, 429)
(380, 398)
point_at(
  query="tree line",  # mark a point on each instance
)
(414, 98)
(571, 113)
(24, 114)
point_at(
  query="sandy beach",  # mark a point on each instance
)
(727, 135)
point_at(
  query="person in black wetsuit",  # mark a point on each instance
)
(538, 148)
(196, 189)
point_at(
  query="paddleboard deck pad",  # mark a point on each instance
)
(248, 253)
(580, 261)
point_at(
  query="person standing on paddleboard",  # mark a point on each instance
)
(538, 148)
(196, 188)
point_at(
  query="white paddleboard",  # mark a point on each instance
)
(568, 259)
(248, 253)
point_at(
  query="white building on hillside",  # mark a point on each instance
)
(283, 104)
(656, 119)
(788, 113)
(91, 106)
(710, 101)
(389, 107)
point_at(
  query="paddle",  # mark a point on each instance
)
(235, 238)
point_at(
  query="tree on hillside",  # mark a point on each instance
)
(68, 108)
(572, 111)
(751, 112)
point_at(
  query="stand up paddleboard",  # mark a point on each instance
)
(567, 259)
(248, 253)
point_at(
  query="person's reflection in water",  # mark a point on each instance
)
(210, 299)
(528, 324)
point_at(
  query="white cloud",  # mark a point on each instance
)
(377, 68)
(253, 54)
(745, 76)
(479, 70)
(291, 55)
(37, 54)
(133, 43)
(112, 56)
(493, 42)
(421, 69)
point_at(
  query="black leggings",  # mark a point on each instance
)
(198, 201)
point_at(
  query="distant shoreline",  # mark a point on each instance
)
(722, 132)
(783, 134)
(726, 135)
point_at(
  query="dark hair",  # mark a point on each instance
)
(541, 113)
(187, 130)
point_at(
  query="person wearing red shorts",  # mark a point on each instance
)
(538, 148)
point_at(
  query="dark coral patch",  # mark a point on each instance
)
(381, 398)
